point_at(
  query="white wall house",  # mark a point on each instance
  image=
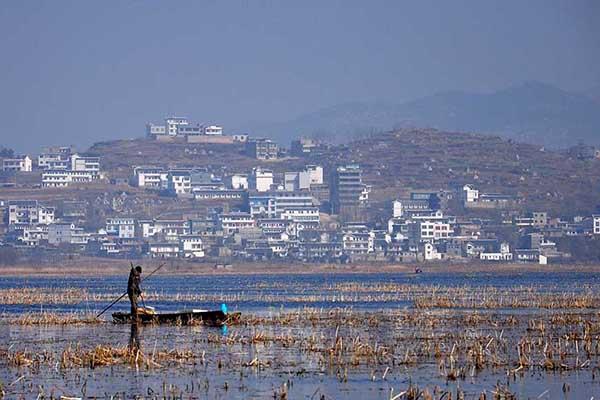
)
(155, 130)
(431, 227)
(29, 212)
(238, 181)
(17, 164)
(294, 181)
(261, 179)
(150, 177)
(179, 182)
(172, 124)
(596, 226)
(63, 178)
(53, 157)
(190, 246)
(470, 194)
(213, 130)
(86, 164)
(315, 174)
(233, 222)
(67, 234)
(121, 227)
(503, 255)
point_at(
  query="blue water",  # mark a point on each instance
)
(279, 288)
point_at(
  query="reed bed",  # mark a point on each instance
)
(419, 296)
(446, 345)
(52, 318)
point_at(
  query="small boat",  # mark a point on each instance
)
(185, 317)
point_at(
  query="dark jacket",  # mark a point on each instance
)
(133, 284)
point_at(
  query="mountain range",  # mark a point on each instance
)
(532, 112)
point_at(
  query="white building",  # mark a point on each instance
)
(596, 219)
(240, 138)
(17, 164)
(190, 246)
(150, 177)
(294, 181)
(301, 214)
(164, 249)
(168, 228)
(172, 124)
(67, 234)
(431, 253)
(54, 157)
(431, 227)
(503, 255)
(315, 174)
(25, 212)
(86, 164)
(237, 181)
(261, 179)
(233, 222)
(155, 130)
(273, 204)
(470, 194)
(213, 130)
(121, 227)
(63, 178)
(357, 240)
(179, 182)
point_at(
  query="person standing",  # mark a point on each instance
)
(134, 290)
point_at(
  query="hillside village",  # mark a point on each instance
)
(192, 192)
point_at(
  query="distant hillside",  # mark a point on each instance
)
(533, 112)
(407, 158)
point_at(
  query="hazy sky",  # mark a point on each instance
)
(78, 72)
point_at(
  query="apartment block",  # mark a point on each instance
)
(17, 164)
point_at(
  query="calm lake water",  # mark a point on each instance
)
(267, 295)
(278, 289)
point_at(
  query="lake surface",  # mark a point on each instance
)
(296, 353)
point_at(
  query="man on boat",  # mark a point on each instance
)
(134, 290)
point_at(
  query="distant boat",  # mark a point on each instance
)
(185, 317)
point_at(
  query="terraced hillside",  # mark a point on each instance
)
(407, 159)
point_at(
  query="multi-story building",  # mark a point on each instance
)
(470, 194)
(172, 125)
(122, 227)
(273, 204)
(357, 240)
(237, 181)
(428, 228)
(407, 207)
(347, 191)
(17, 164)
(315, 173)
(261, 179)
(63, 178)
(213, 130)
(234, 222)
(153, 131)
(596, 225)
(190, 246)
(150, 177)
(179, 182)
(55, 157)
(167, 228)
(67, 234)
(294, 181)
(304, 146)
(27, 212)
(262, 149)
(85, 164)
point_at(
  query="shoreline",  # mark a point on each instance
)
(110, 267)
